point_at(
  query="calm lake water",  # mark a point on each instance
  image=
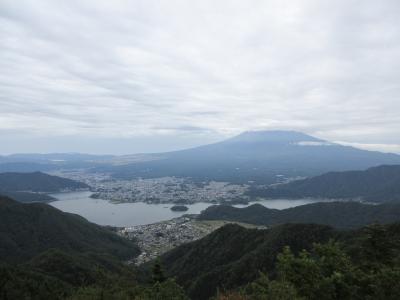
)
(128, 214)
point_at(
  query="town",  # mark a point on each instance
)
(159, 190)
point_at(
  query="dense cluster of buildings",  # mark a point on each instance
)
(155, 239)
(167, 190)
(157, 190)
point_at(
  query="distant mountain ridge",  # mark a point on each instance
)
(257, 157)
(33, 162)
(28, 187)
(335, 214)
(254, 156)
(377, 184)
(37, 182)
(45, 157)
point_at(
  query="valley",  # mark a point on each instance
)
(199, 150)
(188, 223)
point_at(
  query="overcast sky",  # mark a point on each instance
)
(149, 76)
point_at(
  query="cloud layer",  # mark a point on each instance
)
(134, 70)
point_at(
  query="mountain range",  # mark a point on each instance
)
(342, 215)
(48, 254)
(377, 184)
(255, 156)
(34, 187)
(259, 157)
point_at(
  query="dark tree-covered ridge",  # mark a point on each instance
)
(27, 230)
(342, 214)
(377, 184)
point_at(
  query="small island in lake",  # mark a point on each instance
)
(179, 208)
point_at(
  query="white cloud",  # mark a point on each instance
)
(388, 148)
(141, 68)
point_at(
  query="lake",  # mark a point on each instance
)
(104, 212)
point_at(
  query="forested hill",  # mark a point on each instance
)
(335, 214)
(37, 182)
(48, 254)
(378, 184)
(29, 229)
(359, 264)
(32, 187)
(233, 255)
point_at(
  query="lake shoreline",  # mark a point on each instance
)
(125, 214)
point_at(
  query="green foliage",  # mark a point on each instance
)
(157, 272)
(168, 289)
(233, 256)
(377, 244)
(328, 272)
(322, 274)
(37, 182)
(23, 283)
(291, 261)
(30, 229)
(262, 288)
(378, 184)
(343, 215)
(26, 197)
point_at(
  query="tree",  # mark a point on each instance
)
(168, 289)
(157, 272)
(325, 273)
(377, 246)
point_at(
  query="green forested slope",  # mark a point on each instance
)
(335, 214)
(37, 182)
(29, 229)
(378, 184)
(295, 261)
(233, 255)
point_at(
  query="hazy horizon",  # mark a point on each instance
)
(157, 149)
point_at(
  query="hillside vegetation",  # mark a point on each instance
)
(37, 182)
(295, 261)
(233, 256)
(48, 254)
(33, 187)
(378, 184)
(27, 230)
(335, 214)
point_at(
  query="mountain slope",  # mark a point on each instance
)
(37, 182)
(52, 157)
(32, 187)
(378, 184)
(232, 255)
(256, 156)
(35, 162)
(48, 254)
(29, 229)
(335, 214)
